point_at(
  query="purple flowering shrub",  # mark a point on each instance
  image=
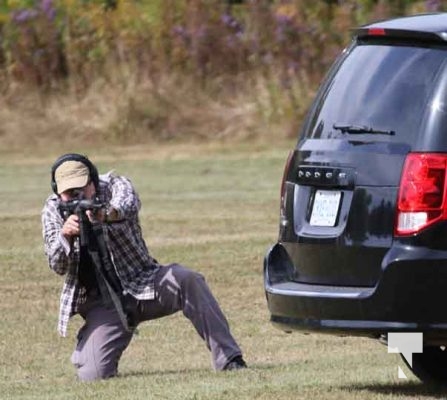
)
(33, 46)
(47, 42)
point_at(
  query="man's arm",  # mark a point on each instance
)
(125, 202)
(58, 247)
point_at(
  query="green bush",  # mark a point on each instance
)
(45, 42)
(280, 48)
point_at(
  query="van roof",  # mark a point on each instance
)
(432, 27)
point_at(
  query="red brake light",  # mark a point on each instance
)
(376, 32)
(421, 200)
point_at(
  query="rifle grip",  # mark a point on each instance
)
(83, 220)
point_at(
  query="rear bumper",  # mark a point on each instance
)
(410, 296)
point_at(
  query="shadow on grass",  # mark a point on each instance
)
(416, 389)
(164, 372)
(192, 370)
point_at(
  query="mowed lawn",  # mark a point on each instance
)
(215, 210)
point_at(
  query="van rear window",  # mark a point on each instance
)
(383, 87)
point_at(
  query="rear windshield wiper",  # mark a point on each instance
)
(360, 129)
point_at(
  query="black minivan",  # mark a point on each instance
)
(362, 247)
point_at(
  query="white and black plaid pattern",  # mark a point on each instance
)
(133, 263)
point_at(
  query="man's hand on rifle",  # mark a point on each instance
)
(71, 226)
(103, 215)
(95, 216)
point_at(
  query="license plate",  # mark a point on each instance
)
(325, 208)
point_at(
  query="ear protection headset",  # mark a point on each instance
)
(92, 170)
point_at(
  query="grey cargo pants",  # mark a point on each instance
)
(102, 339)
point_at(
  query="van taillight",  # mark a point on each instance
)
(421, 200)
(283, 183)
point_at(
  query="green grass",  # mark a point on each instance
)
(215, 210)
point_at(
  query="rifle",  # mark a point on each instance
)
(79, 207)
(109, 283)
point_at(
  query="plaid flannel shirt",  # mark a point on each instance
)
(133, 263)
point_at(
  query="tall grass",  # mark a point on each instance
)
(168, 69)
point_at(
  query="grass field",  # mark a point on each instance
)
(215, 210)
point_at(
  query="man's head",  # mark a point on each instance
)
(71, 172)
